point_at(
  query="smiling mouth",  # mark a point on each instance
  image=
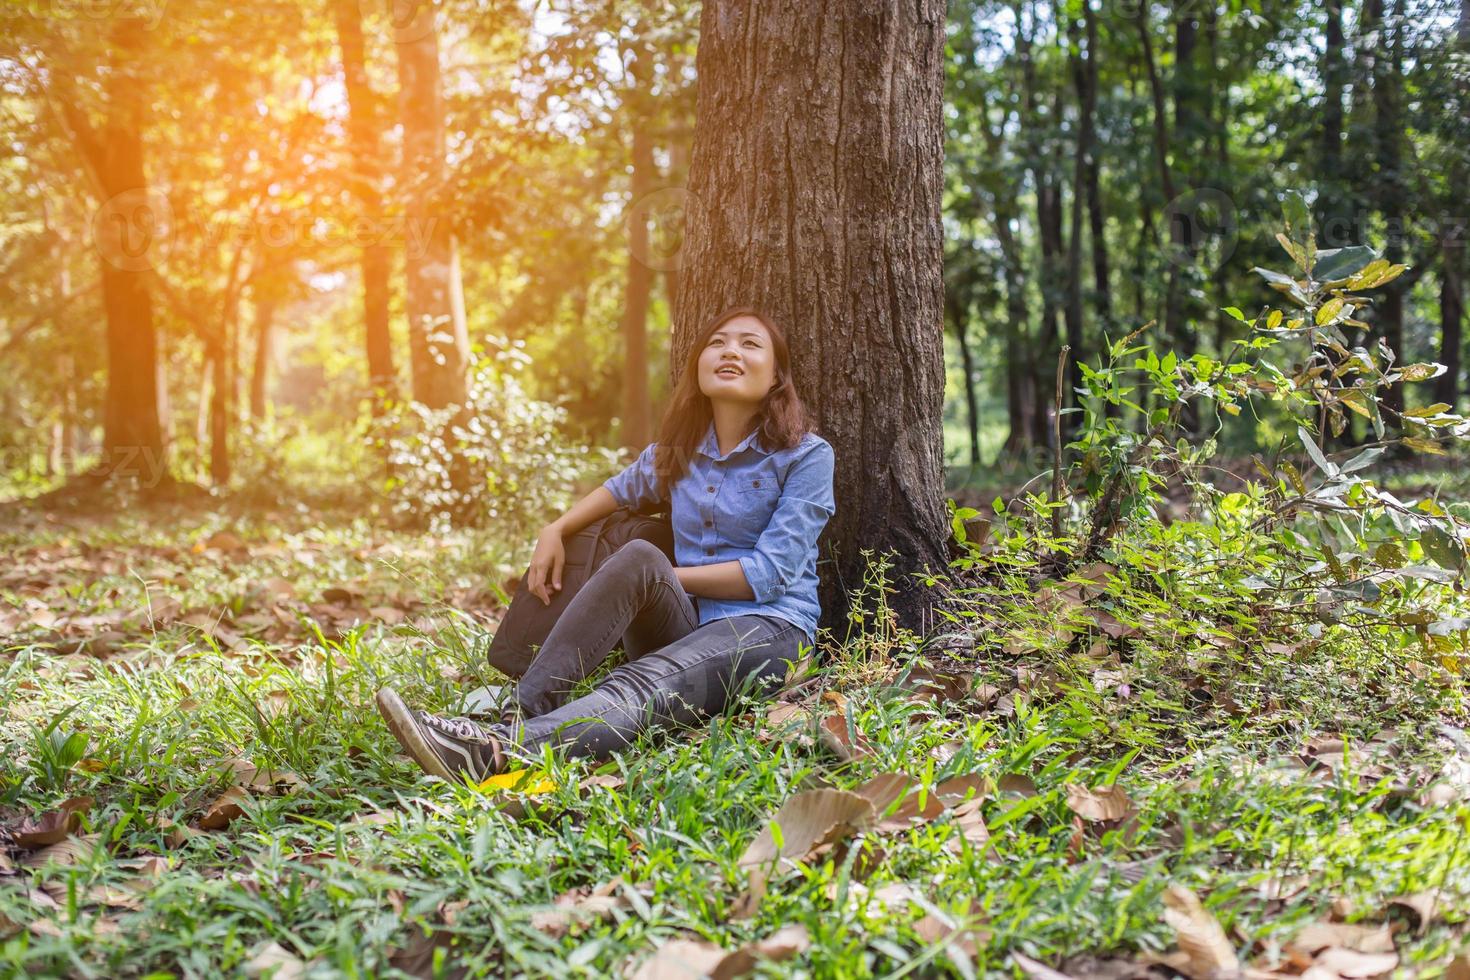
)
(729, 372)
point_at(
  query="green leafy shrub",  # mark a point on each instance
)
(502, 457)
(1305, 539)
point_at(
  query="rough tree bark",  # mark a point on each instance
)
(814, 192)
(439, 346)
(363, 124)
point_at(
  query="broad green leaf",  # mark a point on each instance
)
(1340, 263)
(1440, 547)
(1275, 278)
(1298, 216)
(1274, 320)
(1321, 461)
(1361, 460)
(1427, 410)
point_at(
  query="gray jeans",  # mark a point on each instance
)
(677, 672)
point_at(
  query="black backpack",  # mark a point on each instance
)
(527, 622)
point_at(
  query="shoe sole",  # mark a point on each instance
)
(406, 730)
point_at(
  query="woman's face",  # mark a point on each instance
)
(738, 362)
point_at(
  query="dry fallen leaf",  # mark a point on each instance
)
(1036, 970)
(1207, 953)
(1317, 936)
(225, 541)
(273, 956)
(1016, 783)
(226, 808)
(681, 959)
(578, 905)
(1102, 803)
(806, 821)
(902, 793)
(779, 714)
(834, 735)
(53, 826)
(72, 850)
(1337, 963)
(1420, 908)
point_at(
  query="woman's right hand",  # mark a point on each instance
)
(544, 576)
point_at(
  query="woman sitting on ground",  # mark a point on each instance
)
(749, 487)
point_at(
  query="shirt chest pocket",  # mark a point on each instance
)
(750, 499)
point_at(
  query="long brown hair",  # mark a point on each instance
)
(782, 419)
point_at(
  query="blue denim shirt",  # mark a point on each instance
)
(764, 509)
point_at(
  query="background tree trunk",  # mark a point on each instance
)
(1386, 74)
(439, 343)
(132, 440)
(959, 322)
(636, 422)
(266, 302)
(1084, 81)
(814, 193)
(363, 123)
(1451, 318)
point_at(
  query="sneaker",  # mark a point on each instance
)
(444, 747)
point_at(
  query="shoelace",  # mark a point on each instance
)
(460, 728)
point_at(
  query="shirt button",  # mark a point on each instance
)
(757, 483)
(710, 489)
(709, 551)
(709, 523)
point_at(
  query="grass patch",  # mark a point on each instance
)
(360, 865)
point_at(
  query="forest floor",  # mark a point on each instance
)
(195, 782)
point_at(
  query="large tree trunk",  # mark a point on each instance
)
(814, 192)
(363, 123)
(439, 342)
(125, 227)
(636, 413)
